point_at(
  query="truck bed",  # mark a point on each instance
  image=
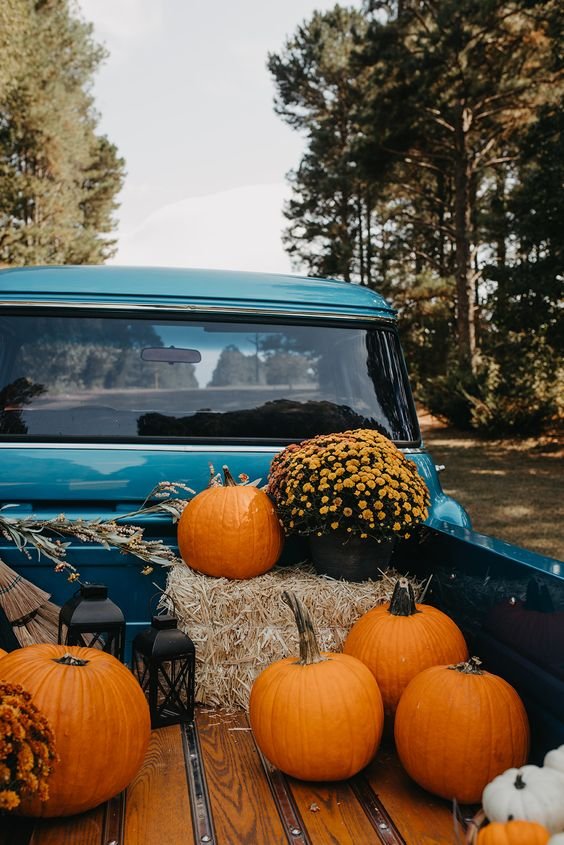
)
(208, 783)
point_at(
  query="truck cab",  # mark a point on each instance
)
(115, 379)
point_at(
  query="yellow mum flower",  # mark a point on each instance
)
(334, 525)
(324, 509)
(396, 526)
(347, 511)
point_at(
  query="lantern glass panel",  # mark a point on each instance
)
(174, 691)
(164, 661)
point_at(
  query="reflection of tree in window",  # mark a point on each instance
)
(12, 397)
(234, 368)
(288, 369)
(68, 354)
(289, 358)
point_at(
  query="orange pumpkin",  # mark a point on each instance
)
(399, 639)
(230, 531)
(457, 727)
(2, 652)
(319, 717)
(99, 717)
(513, 833)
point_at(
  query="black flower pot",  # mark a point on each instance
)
(348, 556)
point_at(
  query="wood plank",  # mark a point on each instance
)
(332, 815)
(242, 804)
(158, 808)
(421, 818)
(84, 829)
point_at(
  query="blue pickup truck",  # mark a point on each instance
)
(115, 379)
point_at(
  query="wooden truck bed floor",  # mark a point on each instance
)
(209, 784)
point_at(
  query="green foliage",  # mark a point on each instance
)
(433, 171)
(58, 178)
(518, 389)
(316, 92)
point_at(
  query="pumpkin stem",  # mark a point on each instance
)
(309, 649)
(402, 602)
(470, 667)
(229, 481)
(70, 660)
(519, 782)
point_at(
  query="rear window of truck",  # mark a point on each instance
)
(116, 378)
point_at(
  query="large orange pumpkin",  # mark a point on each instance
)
(399, 639)
(230, 531)
(457, 727)
(513, 833)
(2, 652)
(99, 717)
(319, 717)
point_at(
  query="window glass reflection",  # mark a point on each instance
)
(112, 377)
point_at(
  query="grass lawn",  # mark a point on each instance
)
(512, 489)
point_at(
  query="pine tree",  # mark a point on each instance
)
(451, 86)
(316, 94)
(58, 178)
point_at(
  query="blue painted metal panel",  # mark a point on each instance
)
(473, 547)
(94, 480)
(166, 286)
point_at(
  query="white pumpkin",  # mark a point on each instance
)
(557, 839)
(531, 793)
(555, 759)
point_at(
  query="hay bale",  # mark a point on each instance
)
(240, 627)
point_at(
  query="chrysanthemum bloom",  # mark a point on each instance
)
(357, 480)
(27, 748)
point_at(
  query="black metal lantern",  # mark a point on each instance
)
(91, 618)
(164, 662)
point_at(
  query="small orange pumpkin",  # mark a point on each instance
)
(99, 717)
(399, 639)
(319, 717)
(457, 727)
(230, 531)
(513, 833)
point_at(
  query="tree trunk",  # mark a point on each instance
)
(360, 236)
(464, 273)
(368, 240)
(441, 221)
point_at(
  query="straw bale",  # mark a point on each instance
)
(241, 626)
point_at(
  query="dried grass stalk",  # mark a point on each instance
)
(240, 627)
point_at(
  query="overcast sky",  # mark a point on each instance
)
(186, 96)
